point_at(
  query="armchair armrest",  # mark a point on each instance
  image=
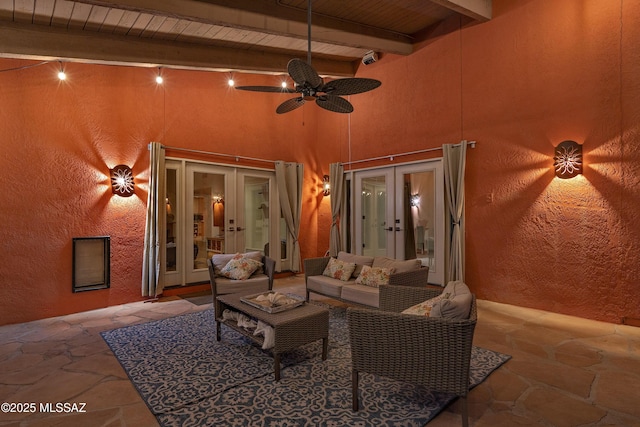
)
(269, 269)
(314, 266)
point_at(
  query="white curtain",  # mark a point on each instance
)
(154, 258)
(289, 178)
(454, 158)
(336, 182)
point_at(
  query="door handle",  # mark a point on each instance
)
(239, 229)
(389, 228)
(232, 229)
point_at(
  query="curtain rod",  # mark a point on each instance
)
(188, 150)
(391, 156)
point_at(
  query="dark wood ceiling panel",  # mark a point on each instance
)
(247, 35)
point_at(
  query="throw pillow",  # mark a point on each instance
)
(339, 269)
(240, 268)
(374, 276)
(358, 260)
(423, 308)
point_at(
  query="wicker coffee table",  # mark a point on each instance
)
(292, 328)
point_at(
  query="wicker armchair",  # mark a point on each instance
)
(254, 284)
(433, 352)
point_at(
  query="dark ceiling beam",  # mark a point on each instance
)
(49, 43)
(479, 10)
(271, 18)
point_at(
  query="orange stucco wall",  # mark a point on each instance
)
(538, 73)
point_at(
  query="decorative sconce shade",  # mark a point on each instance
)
(217, 199)
(414, 200)
(326, 187)
(122, 181)
(568, 159)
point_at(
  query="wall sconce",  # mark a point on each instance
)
(326, 187)
(414, 201)
(567, 159)
(217, 199)
(122, 180)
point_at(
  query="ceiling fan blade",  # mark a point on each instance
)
(350, 86)
(290, 105)
(302, 73)
(334, 103)
(273, 89)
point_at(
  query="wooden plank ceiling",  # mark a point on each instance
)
(240, 35)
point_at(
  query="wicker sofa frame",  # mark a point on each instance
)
(432, 352)
(316, 266)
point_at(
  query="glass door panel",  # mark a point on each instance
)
(173, 242)
(256, 230)
(207, 210)
(421, 231)
(375, 228)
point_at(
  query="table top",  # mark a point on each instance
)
(274, 319)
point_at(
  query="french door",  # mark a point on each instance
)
(399, 213)
(215, 209)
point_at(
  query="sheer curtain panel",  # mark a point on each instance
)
(154, 257)
(454, 159)
(336, 182)
(289, 177)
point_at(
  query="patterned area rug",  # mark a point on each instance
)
(187, 378)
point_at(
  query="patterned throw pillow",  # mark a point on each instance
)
(240, 267)
(424, 308)
(374, 276)
(339, 269)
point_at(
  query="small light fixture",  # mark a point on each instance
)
(567, 159)
(326, 187)
(61, 74)
(122, 181)
(414, 200)
(159, 78)
(217, 199)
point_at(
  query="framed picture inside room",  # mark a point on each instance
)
(91, 263)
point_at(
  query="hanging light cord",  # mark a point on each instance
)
(25, 67)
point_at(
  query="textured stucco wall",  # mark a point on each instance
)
(60, 139)
(538, 73)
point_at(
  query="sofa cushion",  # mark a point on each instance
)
(399, 266)
(326, 285)
(240, 267)
(374, 276)
(339, 269)
(359, 260)
(361, 294)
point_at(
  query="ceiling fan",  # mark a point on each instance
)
(310, 86)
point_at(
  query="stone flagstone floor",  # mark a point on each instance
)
(565, 371)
